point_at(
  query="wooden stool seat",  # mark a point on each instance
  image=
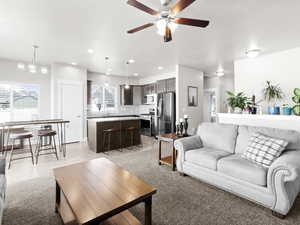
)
(20, 135)
(46, 133)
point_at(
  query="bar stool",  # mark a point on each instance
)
(42, 144)
(107, 135)
(131, 131)
(21, 136)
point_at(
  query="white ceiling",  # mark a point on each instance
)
(65, 29)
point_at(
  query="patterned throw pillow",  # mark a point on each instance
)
(263, 150)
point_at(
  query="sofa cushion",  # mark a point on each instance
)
(245, 132)
(218, 136)
(243, 169)
(206, 157)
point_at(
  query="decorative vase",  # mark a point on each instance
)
(287, 111)
(274, 110)
(177, 129)
(186, 125)
(181, 128)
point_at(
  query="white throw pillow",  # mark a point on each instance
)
(263, 150)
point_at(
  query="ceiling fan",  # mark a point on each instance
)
(167, 19)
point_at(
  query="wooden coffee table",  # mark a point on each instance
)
(100, 191)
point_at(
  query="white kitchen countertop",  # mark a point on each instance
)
(114, 119)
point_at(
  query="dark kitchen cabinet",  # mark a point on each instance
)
(131, 96)
(168, 85)
(171, 85)
(161, 86)
(126, 95)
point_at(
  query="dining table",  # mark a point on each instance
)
(7, 127)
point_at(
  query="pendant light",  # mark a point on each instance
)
(33, 67)
(127, 85)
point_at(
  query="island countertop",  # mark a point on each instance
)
(110, 119)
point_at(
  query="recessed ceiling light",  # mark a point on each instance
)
(131, 61)
(74, 63)
(90, 51)
(253, 53)
(21, 66)
(160, 68)
(44, 70)
(135, 74)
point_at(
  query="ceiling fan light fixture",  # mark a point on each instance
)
(162, 23)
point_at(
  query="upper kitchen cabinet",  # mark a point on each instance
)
(131, 95)
(171, 85)
(168, 85)
(149, 89)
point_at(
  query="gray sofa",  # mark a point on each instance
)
(213, 156)
(2, 187)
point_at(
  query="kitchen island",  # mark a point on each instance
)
(120, 139)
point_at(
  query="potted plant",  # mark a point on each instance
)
(286, 110)
(296, 99)
(272, 93)
(237, 102)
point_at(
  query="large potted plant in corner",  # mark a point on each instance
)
(237, 102)
(272, 93)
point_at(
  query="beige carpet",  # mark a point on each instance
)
(179, 201)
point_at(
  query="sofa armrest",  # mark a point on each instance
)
(2, 165)
(183, 145)
(284, 180)
(188, 143)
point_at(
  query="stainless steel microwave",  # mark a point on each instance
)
(150, 99)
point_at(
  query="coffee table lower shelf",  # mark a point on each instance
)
(68, 218)
(166, 161)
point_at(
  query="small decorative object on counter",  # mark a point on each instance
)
(296, 99)
(181, 127)
(177, 128)
(252, 105)
(186, 125)
(286, 110)
(272, 93)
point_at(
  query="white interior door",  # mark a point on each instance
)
(72, 110)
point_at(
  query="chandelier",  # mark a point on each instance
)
(33, 67)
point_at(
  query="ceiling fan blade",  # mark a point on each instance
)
(192, 22)
(140, 28)
(142, 7)
(168, 35)
(181, 5)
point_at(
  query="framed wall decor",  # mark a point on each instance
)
(192, 96)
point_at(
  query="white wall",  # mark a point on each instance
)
(280, 68)
(9, 73)
(185, 77)
(221, 85)
(115, 81)
(64, 72)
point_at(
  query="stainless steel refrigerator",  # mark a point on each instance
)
(165, 113)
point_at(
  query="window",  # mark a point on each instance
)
(19, 102)
(103, 98)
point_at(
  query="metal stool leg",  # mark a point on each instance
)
(53, 142)
(11, 153)
(31, 151)
(38, 150)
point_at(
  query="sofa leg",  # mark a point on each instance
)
(278, 215)
(182, 174)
